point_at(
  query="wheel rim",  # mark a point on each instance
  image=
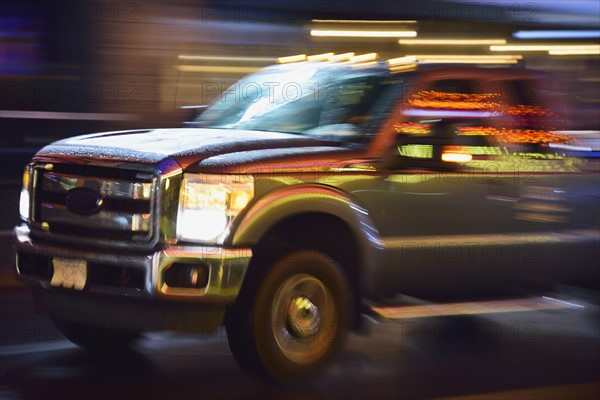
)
(303, 315)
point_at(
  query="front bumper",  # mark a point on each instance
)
(131, 274)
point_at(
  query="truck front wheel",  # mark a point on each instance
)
(291, 321)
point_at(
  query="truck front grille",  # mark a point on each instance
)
(126, 198)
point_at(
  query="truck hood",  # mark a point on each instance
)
(195, 149)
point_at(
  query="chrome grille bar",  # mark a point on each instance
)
(111, 188)
(58, 213)
(128, 214)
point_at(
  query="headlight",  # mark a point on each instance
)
(208, 203)
(24, 206)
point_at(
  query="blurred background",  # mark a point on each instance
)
(81, 66)
(73, 67)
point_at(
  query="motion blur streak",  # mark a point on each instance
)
(562, 34)
(473, 308)
(373, 34)
(362, 21)
(288, 59)
(452, 42)
(217, 68)
(567, 52)
(66, 115)
(226, 58)
(467, 59)
(545, 47)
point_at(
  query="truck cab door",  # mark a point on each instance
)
(444, 203)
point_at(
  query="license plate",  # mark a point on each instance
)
(69, 273)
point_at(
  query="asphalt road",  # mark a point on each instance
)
(533, 355)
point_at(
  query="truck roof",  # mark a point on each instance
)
(390, 67)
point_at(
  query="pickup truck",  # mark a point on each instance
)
(303, 192)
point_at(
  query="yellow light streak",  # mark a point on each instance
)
(364, 65)
(217, 68)
(582, 52)
(473, 61)
(365, 34)
(365, 57)
(341, 57)
(452, 42)
(545, 47)
(192, 57)
(292, 59)
(468, 59)
(472, 308)
(403, 68)
(402, 60)
(320, 57)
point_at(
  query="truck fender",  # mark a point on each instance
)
(286, 202)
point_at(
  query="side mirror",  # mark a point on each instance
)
(186, 115)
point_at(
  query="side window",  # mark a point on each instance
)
(525, 92)
(352, 109)
(529, 121)
(444, 126)
(454, 86)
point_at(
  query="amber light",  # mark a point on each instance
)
(535, 111)
(456, 154)
(530, 136)
(454, 101)
(413, 128)
(476, 131)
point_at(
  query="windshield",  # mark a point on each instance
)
(324, 102)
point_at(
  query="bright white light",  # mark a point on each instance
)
(367, 34)
(456, 157)
(568, 303)
(24, 204)
(556, 34)
(201, 225)
(207, 203)
(568, 147)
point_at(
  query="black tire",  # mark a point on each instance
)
(95, 338)
(289, 321)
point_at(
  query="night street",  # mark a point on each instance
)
(534, 355)
(370, 200)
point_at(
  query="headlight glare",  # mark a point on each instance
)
(24, 200)
(24, 204)
(208, 203)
